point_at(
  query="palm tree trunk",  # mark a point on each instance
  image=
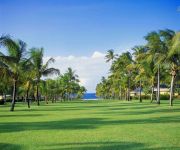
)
(152, 93)
(120, 93)
(128, 91)
(27, 97)
(46, 99)
(125, 94)
(14, 95)
(172, 89)
(113, 95)
(140, 98)
(4, 97)
(37, 94)
(158, 86)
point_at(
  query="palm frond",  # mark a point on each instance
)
(51, 60)
(50, 71)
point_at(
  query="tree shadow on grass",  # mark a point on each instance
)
(53, 109)
(103, 146)
(95, 146)
(151, 111)
(70, 124)
(137, 111)
(7, 146)
(80, 124)
(21, 115)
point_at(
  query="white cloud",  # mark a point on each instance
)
(89, 68)
(97, 54)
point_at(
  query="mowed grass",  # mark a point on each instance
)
(91, 125)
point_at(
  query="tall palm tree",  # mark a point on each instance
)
(170, 41)
(158, 45)
(174, 57)
(155, 53)
(122, 68)
(139, 53)
(14, 62)
(40, 69)
(126, 60)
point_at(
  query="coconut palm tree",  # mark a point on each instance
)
(72, 75)
(139, 53)
(155, 46)
(110, 56)
(5, 81)
(168, 40)
(40, 69)
(81, 91)
(127, 63)
(72, 78)
(28, 82)
(174, 57)
(14, 63)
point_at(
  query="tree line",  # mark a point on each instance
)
(21, 73)
(146, 68)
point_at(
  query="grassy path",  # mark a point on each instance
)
(91, 125)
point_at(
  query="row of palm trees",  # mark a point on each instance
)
(21, 73)
(148, 66)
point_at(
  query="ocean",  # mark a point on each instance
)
(89, 96)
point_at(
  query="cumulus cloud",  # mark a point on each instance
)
(89, 68)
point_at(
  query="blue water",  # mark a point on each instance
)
(89, 96)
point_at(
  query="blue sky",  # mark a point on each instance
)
(86, 27)
(66, 27)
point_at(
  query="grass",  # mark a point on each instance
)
(102, 125)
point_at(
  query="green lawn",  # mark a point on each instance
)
(91, 125)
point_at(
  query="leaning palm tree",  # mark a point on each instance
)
(14, 63)
(40, 69)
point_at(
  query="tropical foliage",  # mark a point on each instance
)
(21, 73)
(146, 69)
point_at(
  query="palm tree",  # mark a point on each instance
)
(5, 81)
(174, 57)
(81, 91)
(14, 63)
(155, 53)
(139, 52)
(170, 41)
(110, 56)
(27, 84)
(72, 78)
(121, 69)
(127, 63)
(72, 75)
(40, 69)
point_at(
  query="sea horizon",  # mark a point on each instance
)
(90, 96)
